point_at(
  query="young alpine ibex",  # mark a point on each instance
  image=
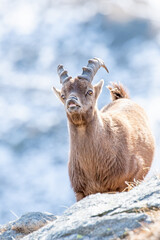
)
(109, 146)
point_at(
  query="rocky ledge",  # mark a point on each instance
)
(99, 216)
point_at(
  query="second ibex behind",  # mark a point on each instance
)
(108, 147)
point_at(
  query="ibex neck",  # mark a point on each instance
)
(96, 123)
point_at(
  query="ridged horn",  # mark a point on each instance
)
(91, 69)
(63, 74)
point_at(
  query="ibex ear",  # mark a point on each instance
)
(57, 92)
(98, 88)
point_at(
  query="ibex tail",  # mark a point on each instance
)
(117, 91)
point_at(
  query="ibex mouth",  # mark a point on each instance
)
(72, 105)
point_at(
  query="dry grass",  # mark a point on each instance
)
(147, 231)
(131, 185)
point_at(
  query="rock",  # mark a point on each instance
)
(26, 224)
(99, 216)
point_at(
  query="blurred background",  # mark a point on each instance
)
(36, 36)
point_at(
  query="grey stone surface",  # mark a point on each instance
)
(26, 224)
(101, 216)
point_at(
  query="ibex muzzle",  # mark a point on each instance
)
(72, 103)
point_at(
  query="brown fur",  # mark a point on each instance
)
(107, 146)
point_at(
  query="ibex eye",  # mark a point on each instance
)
(90, 92)
(62, 96)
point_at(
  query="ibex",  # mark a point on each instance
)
(108, 147)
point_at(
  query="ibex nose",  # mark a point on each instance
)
(73, 97)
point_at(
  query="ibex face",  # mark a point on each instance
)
(78, 95)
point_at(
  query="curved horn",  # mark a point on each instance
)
(63, 74)
(91, 69)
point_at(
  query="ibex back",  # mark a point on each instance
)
(109, 146)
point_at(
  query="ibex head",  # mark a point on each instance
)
(78, 95)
